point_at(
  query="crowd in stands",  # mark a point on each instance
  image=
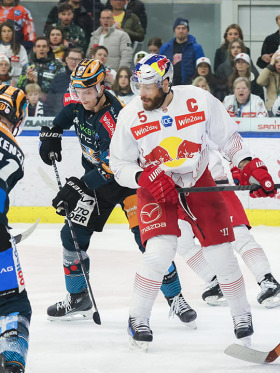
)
(113, 32)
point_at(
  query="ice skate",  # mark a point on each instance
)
(213, 295)
(183, 310)
(10, 368)
(243, 328)
(74, 307)
(140, 334)
(270, 292)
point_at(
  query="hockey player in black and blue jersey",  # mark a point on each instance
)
(94, 114)
(15, 309)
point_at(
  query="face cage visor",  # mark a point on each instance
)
(80, 94)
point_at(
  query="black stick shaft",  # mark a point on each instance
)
(222, 188)
(96, 316)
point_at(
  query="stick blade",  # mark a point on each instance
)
(22, 236)
(96, 318)
(251, 355)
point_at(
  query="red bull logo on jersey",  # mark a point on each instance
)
(186, 120)
(172, 152)
(145, 129)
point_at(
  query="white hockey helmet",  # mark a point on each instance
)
(153, 68)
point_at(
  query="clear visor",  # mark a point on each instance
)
(84, 94)
(19, 127)
(142, 88)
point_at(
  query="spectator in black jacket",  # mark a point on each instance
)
(270, 45)
(137, 7)
(94, 9)
(81, 18)
(58, 95)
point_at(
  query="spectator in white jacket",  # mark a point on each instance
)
(242, 103)
(12, 49)
(116, 41)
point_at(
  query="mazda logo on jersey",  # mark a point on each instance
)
(150, 213)
(166, 120)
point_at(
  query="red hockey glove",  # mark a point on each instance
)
(236, 175)
(255, 172)
(161, 186)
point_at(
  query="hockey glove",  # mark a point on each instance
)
(71, 193)
(255, 172)
(161, 186)
(50, 142)
(236, 175)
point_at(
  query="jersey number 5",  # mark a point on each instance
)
(142, 117)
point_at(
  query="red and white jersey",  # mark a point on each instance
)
(254, 108)
(175, 137)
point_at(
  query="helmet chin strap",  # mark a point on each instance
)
(163, 97)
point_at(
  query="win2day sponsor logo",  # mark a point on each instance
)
(186, 120)
(145, 129)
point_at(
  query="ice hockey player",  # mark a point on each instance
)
(245, 245)
(160, 141)
(94, 113)
(15, 309)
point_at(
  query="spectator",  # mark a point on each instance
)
(74, 35)
(137, 7)
(94, 9)
(127, 21)
(35, 107)
(201, 82)
(42, 68)
(116, 41)
(154, 45)
(24, 25)
(270, 45)
(138, 56)
(242, 67)
(270, 78)
(57, 42)
(121, 87)
(203, 68)
(5, 67)
(232, 32)
(58, 94)
(183, 51)
(101, 53)
(276, 107)
(242, 103)
(81, 18)
(12, 49)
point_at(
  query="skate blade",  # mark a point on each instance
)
(191, 324)
(272, 302)
(216, 301)
(75, 316)
(246, 341)
(140, 346)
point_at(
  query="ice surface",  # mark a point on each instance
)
(76, 347)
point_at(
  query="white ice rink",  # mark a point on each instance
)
(76, 347)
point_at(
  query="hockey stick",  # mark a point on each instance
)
(47, 179)
(252, 356)
(222, 188)
(22, 236)
(96, 316)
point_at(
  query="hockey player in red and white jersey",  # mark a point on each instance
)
(242, 103)
(161, 140)
(245, 245)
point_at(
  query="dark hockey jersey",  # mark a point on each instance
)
(94, 131)
(11, 169)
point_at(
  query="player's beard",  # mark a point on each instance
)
(153, 103)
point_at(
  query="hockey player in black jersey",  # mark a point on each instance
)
(94, 113)
(15, 309)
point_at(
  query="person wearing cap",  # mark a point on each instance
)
(138, 56)
(242, 67)
(5, 67)
(242, 103)
(183, 51)
(270, 78)
(203, 69)
(270, 45)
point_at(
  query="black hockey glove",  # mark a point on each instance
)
(50, 142)
(71, 193)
